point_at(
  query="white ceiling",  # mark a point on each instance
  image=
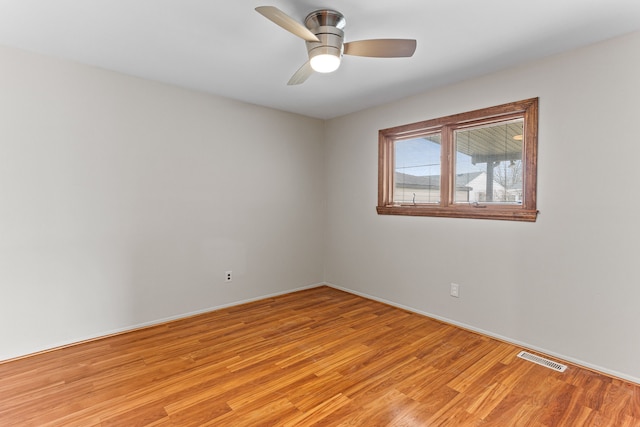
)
(226, 48)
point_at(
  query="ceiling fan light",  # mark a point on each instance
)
(325, 63)
(324, 58)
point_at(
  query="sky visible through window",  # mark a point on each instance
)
(421, 157)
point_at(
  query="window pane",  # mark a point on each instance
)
(417, 170)
(489, 163)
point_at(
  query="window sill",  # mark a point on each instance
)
(506, 213)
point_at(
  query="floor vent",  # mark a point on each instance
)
(542, 361)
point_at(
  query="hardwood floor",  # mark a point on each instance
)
(315, 357)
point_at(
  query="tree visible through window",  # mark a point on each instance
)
(480, 164)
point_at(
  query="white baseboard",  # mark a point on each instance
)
(153, 323)
(524, 345)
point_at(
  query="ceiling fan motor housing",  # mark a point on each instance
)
(327, 25)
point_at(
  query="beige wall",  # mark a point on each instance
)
(567, 283)
(124, 201)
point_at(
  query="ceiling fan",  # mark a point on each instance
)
(323, 32)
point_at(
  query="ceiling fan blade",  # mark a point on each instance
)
(280, 18)
(301, 75)
(381, 48)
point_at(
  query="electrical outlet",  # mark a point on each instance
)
(455, 290)
(228, 276)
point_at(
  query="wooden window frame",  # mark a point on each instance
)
(527, 211)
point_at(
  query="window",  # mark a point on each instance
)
(480, 164)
